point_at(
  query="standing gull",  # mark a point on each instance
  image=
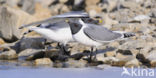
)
(56, 29)
(94, 35)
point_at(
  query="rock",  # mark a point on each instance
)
(55, 55)
(91, 2)
(41, 12)
(43, 61)
(8, 54)
(7, 24)
(153, 63)
(91, 6)
(143, 60)
(76, 63)
(12, 3)
(153, 21)
(1, 41)
(124, 52)
(122, 59)
(10, 21)
(140, 18)
(40, 54)
(151, 56)
(46, 3)
(31, 43)
(28, 6)
(29, 53)
(133, 63)
(110, 54)
(63, 1)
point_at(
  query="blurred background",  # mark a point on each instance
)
(138, 16)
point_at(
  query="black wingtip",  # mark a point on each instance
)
(126, 35)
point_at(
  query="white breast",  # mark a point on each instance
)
(83, 39)
(62, 35)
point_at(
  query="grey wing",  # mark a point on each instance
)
(101, 34)
(72, 14)
(57, 18)
(49, 20)
(57, 25)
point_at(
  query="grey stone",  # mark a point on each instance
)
(8, 29)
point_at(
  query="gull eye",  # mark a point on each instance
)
(75, 25)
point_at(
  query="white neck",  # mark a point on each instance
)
(81, 22)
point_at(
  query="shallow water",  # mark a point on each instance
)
(13, 70)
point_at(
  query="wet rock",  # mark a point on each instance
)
(43, 62)
(31, 43)
(55, 55)
(8, 54)
(31, 54)
(76, 63)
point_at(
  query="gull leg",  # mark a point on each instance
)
(63, 49)
(95, 54)
(91, 54)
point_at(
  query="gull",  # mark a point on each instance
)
(56, 29)
(94, 35)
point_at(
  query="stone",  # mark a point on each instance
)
(37, 55)
(41, 13)
(29, 53)
(124, 52)
(76, 63)
(43, 62)
(153, 63)
(31, 43)
(110, 54)
(46, 3)
(11, 19)
(143, 59)
(133, 63)
(63, 1)
(55, 55)
(1, 41)
(8, 55)
(28, 6)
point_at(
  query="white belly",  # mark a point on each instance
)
(62, 35)
(83, 39)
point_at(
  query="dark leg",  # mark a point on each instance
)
(63, 49)
(91, 54)
(95, 54)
